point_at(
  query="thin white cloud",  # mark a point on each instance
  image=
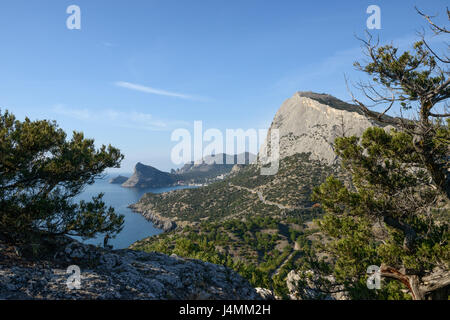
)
(132, 120)
(108, 44)
(82, 114)
(145, 89)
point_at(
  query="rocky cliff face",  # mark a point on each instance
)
(158, 221)
(148, 177)
(310, 122)
(213, 166)
(118, 274)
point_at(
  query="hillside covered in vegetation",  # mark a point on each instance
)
(258, 225)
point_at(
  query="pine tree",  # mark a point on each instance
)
(41, 171)
(395, 212)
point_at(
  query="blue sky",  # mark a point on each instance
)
(139, 69)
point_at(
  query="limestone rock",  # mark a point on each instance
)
(158, 221)
(310, 122)
(120, 274)
(266, 294)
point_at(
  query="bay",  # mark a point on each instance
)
(136, 227)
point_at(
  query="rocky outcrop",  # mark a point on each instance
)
(266, 294)
(310, 122)
(118, 180)
(148, 177)
(119, 274)
(158, 221)
(236, 168)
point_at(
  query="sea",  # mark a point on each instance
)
(136, 227)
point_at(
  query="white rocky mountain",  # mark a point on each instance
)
(310, 122)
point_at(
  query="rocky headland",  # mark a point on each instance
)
(149, 177)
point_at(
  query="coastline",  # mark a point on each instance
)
(160, 222)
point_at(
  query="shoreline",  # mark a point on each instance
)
(163, 223)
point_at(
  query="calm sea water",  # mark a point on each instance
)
(136, 227)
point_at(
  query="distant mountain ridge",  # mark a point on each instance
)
(213, 166)
(219, 159)
(210, 168)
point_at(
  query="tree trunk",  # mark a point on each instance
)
(423, 143)
(409, 232)
(433, 286)
(437, 284)
(410, 281)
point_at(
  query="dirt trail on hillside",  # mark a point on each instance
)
(263, 199)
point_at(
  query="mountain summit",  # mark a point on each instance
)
(309, 122)
(147, 176)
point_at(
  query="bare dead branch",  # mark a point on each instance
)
(435, 115)
(433, 26)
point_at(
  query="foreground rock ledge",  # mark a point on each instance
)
(118, 274)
